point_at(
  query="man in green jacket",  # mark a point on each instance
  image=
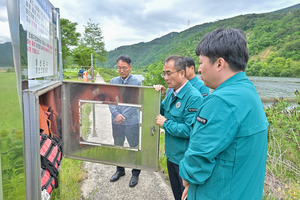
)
(226, 158)
(178, 112)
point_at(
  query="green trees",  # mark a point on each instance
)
(93, 38)
(274, 67)
(91, 43)
(269, 36)
(82, 55)
(69, 37)
(154, 76)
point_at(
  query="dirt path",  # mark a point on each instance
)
(152, 185)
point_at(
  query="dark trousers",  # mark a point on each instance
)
(131, 132)
(175, 180)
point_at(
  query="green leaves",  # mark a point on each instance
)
(154, 77)
(69, 38)
(82, 55)
(93, 38)
(91, 43)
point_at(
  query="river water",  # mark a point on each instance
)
(268, 87)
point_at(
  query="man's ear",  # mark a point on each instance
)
(220, 63)
(193, 68)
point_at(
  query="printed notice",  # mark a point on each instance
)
(41, 40)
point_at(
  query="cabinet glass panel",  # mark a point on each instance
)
(95, 131)
(98, 126)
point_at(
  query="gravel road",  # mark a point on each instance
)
(152, 185)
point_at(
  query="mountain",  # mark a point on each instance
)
(6, 54)
(288, 9)
(278, 31)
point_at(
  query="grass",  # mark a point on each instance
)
(86, 122)
(107, 74)
(11, 139)
(283, 161)
(72, 75)
(70, 177)
(162, 160)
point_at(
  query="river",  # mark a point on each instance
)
(268, 87)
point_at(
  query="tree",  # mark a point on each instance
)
(154, 75)
(93, 38)
(69, 37)
(82, 55)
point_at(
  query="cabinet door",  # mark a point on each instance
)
(111, 124)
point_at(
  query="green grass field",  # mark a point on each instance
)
(11, 114)
(11, 139)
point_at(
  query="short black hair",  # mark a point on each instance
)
(190, 62)
(229, 44)
(179, 62)
(124, 58)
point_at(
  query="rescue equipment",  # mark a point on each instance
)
(50, 149)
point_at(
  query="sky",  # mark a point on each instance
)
(127, 22)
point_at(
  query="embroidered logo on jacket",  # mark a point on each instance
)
(201, 120)
(178, 104)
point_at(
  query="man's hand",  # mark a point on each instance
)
(186, 189)
(160, 120)
(119, 119)
(160, 87)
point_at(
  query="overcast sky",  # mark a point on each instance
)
(126, 22)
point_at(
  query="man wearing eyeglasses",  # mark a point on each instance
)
(177, 115)
(191, 76)
(125, 119)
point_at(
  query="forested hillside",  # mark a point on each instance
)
(273, 39)
(6, 55)
(144, 54)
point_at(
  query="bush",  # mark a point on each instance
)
(10, 69)
(283, 161)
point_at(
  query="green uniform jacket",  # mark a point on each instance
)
(199, 85)
(180, 112)
(226, 158)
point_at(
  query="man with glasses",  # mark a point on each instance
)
(125, 120)
(191, 76)
(177, 115)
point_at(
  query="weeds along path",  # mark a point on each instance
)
(152, 185)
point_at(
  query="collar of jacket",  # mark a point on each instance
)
(126, 80)
(184, 90)
(235, 78)
(194, 80)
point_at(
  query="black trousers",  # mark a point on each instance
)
(131, 132)
(175, 180)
